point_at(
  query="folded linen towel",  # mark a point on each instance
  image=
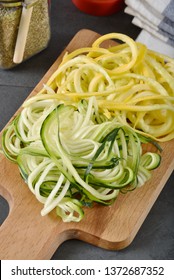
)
(148, 12)
(164, 7)
(148, 27)
(139, 9)
(155, 44)
(151, 16)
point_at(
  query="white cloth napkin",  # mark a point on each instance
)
(156, 18)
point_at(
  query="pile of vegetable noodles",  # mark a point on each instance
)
(71, 156)
(79, 140)
(130, 82)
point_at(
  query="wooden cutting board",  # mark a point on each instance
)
(25, 234)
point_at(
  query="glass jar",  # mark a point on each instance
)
(24, 30)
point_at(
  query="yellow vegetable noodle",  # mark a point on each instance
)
(129, 81)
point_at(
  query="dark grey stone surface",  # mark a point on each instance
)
(155, 239)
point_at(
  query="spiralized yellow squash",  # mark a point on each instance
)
(129, 81)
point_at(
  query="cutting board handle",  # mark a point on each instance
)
(25, 234)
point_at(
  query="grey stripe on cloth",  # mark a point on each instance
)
(167, 25)
(170, 42)
(169, 11)
(166, 34)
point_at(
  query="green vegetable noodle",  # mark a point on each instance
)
(73, 156)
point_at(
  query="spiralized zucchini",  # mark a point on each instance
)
(129, 81)
(73, 155)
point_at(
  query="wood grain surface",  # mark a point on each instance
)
(25, 234)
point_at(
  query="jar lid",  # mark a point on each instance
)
(11, 1)
(99, 7)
